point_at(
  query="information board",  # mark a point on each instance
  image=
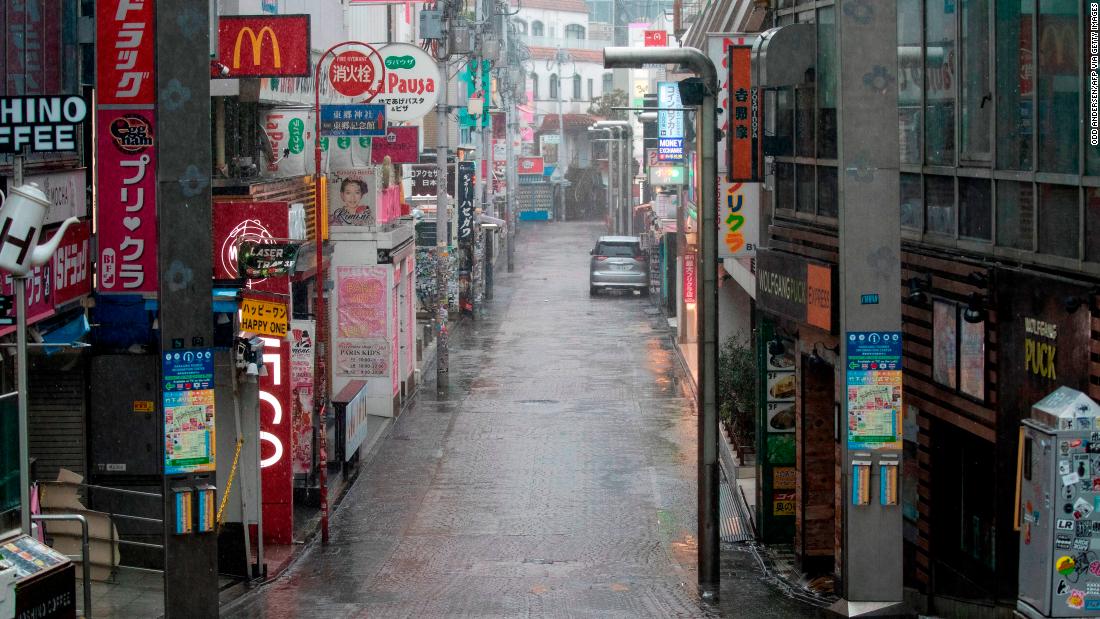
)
(188, 397)
(874, 391)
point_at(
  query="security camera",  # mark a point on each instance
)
(218, 69)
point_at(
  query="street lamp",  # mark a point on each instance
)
(693, 60)
(626, 154)
(610, 168)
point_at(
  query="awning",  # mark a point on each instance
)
(489, 219)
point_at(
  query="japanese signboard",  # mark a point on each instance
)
(290, 133)
(276, 471)
(465, 199)
(127, 216)
(31, 48)
(66, 189)
(656, 38)
(670, 122)
(790, 286)
(260, 222)
(689, 278)
(738, 219)
(344, 120)
(302, 365)
(660, 175)
(744, 117)
(530, 165)
(425, 177)
(40, 123)
(718, 51)
(188, 394)
(400, 144)
(356, 74)
(410, 89)
(362, 347)
(873, 402)
(264, 45)
(264, 316)
(67, 277)
(126, 147)
(670, 149)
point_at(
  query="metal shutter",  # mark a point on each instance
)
(56, 410)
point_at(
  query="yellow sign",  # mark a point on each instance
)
(143, 406)
(783, 478)
(257, 45)
(264, 317)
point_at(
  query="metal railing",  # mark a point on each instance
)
(85, 554)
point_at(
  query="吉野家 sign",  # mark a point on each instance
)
(744, 121)
(258, 260)
(353, 120)
(666, 175)
(40, 123)
(264, 317)
(264, 45)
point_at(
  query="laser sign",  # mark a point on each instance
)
(264, 317)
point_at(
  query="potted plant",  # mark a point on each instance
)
(737, 394)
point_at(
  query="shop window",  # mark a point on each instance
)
(1059, 86)
(939, 83)
(976, 93)
(1015, 86)
(1015, 215)
(826, 83)
(804, 120)
(939, 200)
(804, 200)
(912, 202)
(784, 185)
(909, 79)
(958, 347)
(1092, 224)
(975, 209)
(1059, 223)
(826, 191)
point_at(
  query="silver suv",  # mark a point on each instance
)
(618, 262)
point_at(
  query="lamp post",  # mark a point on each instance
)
(696, 61)
(625, 135)
(610, 174)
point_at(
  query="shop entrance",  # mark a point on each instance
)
(815, 532)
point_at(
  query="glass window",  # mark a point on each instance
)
(975, 209)
(537, 29)
(1059, 227)
(9, 464)
(826, 191)
(1015, 215)
(1092, 224)
(779, 127)
(784, 185)
(535, 85)
(909, 80)
(939, 199)
(608, 82)
(553, 85)
(1059, 86)
(804, 121)
(826, 83)
(1015, 85)
(939, 83)
(574, 31)
(912, 203)
(576, 87)
(944, 343)
(805, 197)
(976, 95)
(591, 89)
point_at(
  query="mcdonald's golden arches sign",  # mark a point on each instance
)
(264, 45)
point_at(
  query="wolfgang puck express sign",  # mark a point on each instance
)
(789, 286)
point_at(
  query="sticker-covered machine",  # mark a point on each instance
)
(35, 580)
(1059, 507)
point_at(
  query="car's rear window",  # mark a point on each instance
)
(617, 249)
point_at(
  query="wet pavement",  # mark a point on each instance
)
(556, 479)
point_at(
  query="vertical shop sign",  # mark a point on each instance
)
(32, 48)
(410, 314)
(873, 367)
(670, 122)
(738, 219)
(302, 364)
(689, 277)
(776, 407)
(465, 199)
(744, 115)
(126, 147)
(276, 476)
(188, 392)
(361, 338)
(395, 340)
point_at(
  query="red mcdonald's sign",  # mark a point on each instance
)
(264, 45)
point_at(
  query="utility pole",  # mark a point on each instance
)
(508, 93)
(442, 233)
(561, 57)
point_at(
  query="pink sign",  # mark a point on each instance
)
(689, 278)
(361, 309)
(127, 214)
(402, 144)
(395, 365)
(33, 49)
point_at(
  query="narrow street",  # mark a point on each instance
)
(557, 480)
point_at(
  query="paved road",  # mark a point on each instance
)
(557, 480)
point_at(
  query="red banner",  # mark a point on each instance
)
(276, 473)
(125, 52)
(402, 144)
(264, 45)
(258, 220)
(531, 165)
(72, 272)
(744, 121)
(656, 38)
(127, 214)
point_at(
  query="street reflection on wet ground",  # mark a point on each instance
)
(556, 479)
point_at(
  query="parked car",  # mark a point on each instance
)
(618, 262)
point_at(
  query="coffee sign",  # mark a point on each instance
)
(411, 87)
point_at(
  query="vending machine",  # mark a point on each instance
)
(1059, 507)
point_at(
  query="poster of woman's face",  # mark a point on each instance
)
(351, 198)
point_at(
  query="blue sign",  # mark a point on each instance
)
(670, 149)
(188, 370)
(353, 120)
(868, 299)
(874, 350)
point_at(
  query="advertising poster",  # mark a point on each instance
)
(689, 278)
(972, 359)
(361, 313)
(188, 398)
(290, 132)
(353, 197)
(874, 392)
(302, 364)
(944, 347)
